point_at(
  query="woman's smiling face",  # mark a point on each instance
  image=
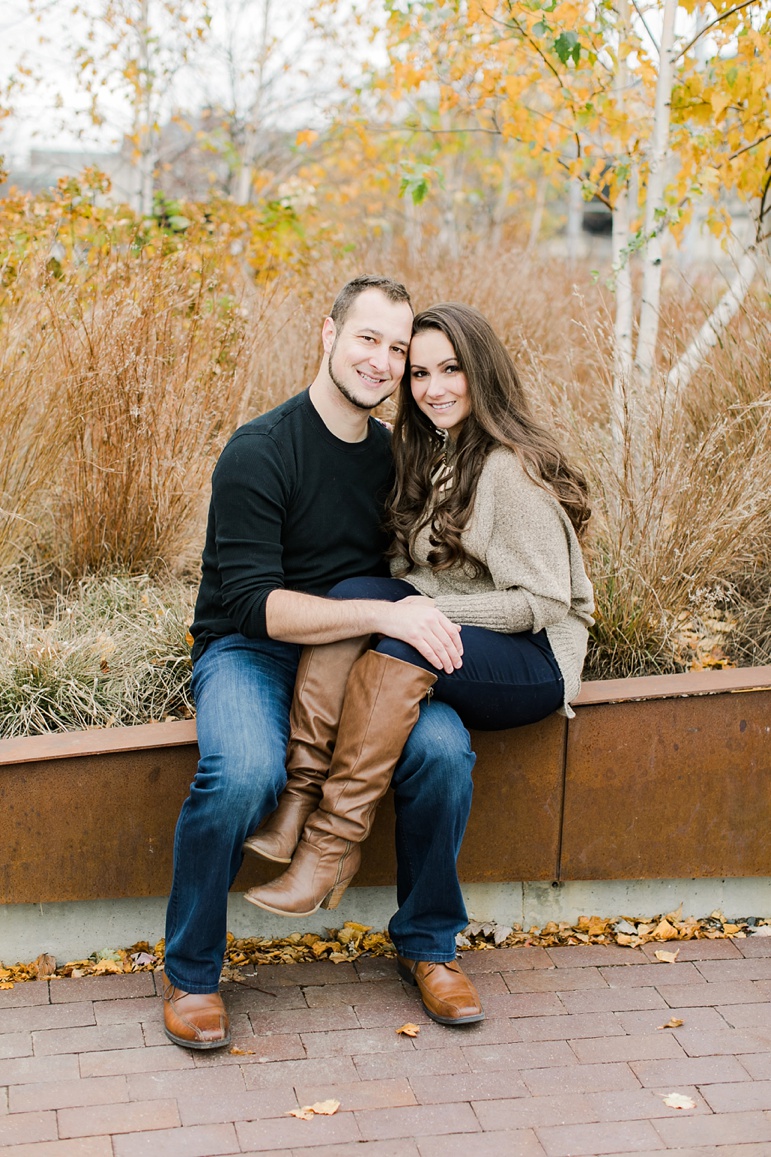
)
(438, 384)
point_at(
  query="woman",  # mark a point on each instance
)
(485, 519)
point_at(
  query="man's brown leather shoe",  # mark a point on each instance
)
(194, 1020)
(448, 995)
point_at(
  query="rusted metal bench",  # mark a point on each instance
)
(661, 777)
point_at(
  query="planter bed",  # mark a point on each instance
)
(664, 776)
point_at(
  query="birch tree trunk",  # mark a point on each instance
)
(254, 120)
(648, 331)
(575, 218)
(145, 129)
(711, 331)
(621, 409)
(537, 218)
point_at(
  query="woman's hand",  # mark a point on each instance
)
(417, 620)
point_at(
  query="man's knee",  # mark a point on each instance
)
(236, 787)
(437, 761)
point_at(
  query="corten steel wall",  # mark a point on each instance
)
(667, 787)
(660, 777)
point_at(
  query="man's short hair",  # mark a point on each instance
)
(393, 290)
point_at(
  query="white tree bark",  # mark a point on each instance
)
(710, 333)
(575, 218)
(252, 128)
(537, 218)
(145, 129)
(624, 315)
(648, 332)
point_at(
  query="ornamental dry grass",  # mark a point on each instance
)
(122, 384)
(109, 651)
(126, 378)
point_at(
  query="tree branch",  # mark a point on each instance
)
(711, 331)
(653, 39)
(747, 148)
(712, 23)
(763, 209)
(534, 44)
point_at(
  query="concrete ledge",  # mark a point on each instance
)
(73, 930)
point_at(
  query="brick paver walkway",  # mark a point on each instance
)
(569, 1061)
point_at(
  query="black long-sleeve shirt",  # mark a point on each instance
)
(292, 507)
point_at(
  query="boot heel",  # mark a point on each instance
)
(406, 974)
(334, 896)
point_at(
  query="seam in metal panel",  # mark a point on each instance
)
(561, 829)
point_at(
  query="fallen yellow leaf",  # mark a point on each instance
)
(667, 957)
(678, 1101)
(6, 984)
(45, 965)
(322, 1108)
(241, 1052)
(107, 966)
(664, 931)
(408, 1029)
(673, 1022)
(325, 1108)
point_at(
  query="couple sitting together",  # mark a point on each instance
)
(366, 597)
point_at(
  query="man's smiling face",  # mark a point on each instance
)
(367, 355)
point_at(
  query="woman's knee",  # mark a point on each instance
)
(396, 649)
(355, 588)
(372, 587)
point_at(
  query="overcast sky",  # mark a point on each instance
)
(49, 109)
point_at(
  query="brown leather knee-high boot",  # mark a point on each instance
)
(318, 701)
(382, 703)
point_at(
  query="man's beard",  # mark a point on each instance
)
(347, 394)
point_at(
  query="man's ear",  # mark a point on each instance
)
(328, 334)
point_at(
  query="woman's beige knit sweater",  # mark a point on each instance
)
(534, 577)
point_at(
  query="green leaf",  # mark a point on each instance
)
(417, 189)
(417, 180)
(566, 46)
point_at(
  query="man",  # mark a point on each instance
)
(297, 500)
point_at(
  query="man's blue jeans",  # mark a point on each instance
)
(243, 692)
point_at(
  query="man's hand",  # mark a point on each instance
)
(417, 620)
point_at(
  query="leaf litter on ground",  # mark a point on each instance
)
(319, 1109)
(408, 1029)
(678, 1101)
(244, 956)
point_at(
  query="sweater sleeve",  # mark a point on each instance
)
(526, 550)
(250, 491)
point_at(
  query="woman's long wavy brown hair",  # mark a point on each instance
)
(500, 416)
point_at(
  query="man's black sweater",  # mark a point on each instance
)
(292, 507)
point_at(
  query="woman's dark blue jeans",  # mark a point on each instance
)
(505, 681)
